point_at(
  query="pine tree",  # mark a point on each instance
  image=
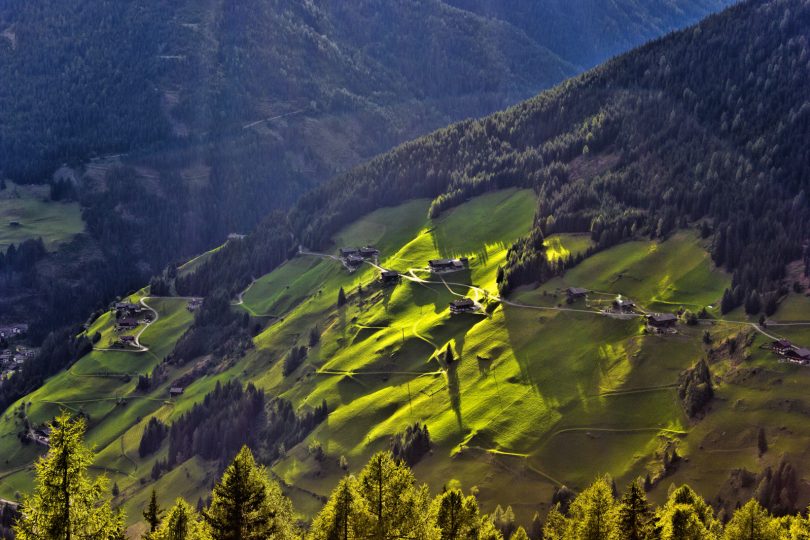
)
(181, 523)
(341, 516)
(686, 515)
(152, 514)
(633, 515)
(751, 522)
(592, 513)
(556, 524)
(67, 504)
(341, 301)
(536, 529)
(519, 534)
(246, 505)
(456, 516)
(397, 507)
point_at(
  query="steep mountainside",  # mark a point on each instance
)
(199, 118)
(673, 177)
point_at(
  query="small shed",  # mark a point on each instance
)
(389, 276)
(576, 292)
(462, 305)
(369, 252)
(662, 320)
(175, 391)
(354, 260)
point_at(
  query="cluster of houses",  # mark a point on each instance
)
(354, 257)
(13, 330)
(127, 315)
(790, 352)
(12, 358)
(438, 266)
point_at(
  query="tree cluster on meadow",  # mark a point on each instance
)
(382, 502)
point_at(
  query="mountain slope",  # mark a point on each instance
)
(657, 176)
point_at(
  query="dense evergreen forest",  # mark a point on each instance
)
(704, 126)
(382, 501)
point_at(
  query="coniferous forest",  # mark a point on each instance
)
(382, 501)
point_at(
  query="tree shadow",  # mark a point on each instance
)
(454, 391)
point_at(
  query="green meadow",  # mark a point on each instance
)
(26, 212)
(542, 393)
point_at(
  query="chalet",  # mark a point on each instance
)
(462, 305)
(346, 251)
(127, 306)
(781, 346)
(576, 292)
(444, 265)
(354, 260)
(389, 277)
(626, 306)
(369, 252)
(175, 391)
(800, 355)
(127, 322)
(127, 340)
(662, 320)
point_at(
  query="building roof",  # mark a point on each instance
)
(176, 390)
(440, 262)
(803, 353)
(127, 321)
(462, 302)
(389, 273)
(662, 317)
(576, 290)
(348, 250)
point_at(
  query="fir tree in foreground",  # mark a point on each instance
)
(247, 505)
(152, 515)
(181, 523)
(67, 504)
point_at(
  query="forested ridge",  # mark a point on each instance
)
(707, 125)
(382, 501)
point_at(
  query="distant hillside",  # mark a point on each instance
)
(587, 32)
(94, 78)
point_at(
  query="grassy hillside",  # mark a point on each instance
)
(543, 393)
(36, 217)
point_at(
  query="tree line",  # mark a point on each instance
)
(382, 501)
(664, 137)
